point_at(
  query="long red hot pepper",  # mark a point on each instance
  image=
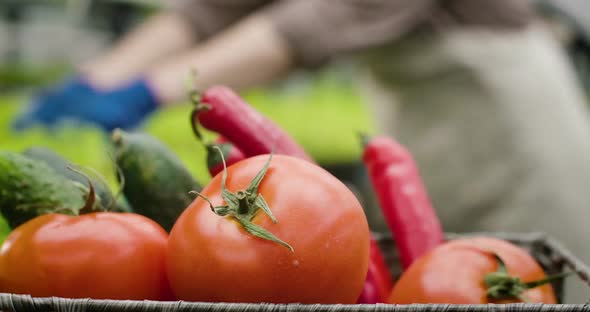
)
(221, 110)
(231, 154)
(403, 198)
(379, 282)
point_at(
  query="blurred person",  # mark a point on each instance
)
(478, 91)
(569, 20)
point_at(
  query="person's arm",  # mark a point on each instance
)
(158, 38)
(285, 34)
(182, 25)
(248, 54)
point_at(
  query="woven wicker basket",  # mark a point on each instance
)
(550, 254)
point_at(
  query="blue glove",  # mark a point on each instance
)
(46, 107)
(125, 107)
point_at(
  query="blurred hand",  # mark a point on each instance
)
(125, 107)
(46, 106)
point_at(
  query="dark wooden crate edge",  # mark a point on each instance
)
(537, 243)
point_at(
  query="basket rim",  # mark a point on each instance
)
(149, 305)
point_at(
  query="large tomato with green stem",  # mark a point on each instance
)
(100, 255)
(475, 270)
(270, 229)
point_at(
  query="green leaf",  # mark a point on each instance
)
(255, 183)
(501, 264)
(222, 211)
(260, 232)
(261, 203)
(230, 198)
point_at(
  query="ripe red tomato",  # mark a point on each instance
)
(213, 258)
(97, 255)
(454, 273)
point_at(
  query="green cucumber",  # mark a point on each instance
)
(60, 165)
(156, 183)
(29, 188)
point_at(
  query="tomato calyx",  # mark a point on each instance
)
(501, 285)
(90, 204)
(243, 205)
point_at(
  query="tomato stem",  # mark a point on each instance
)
(502, 285)
(199, 107)
(245, 204)
(213, 158)
(89, 205)
(121, 181)
(195, 98)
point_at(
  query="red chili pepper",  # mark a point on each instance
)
(379, 282)
(231, 154)
(221, 110)
(403, 198)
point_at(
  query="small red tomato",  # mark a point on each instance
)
(97, 255)
(466, 271)
(213, 257)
